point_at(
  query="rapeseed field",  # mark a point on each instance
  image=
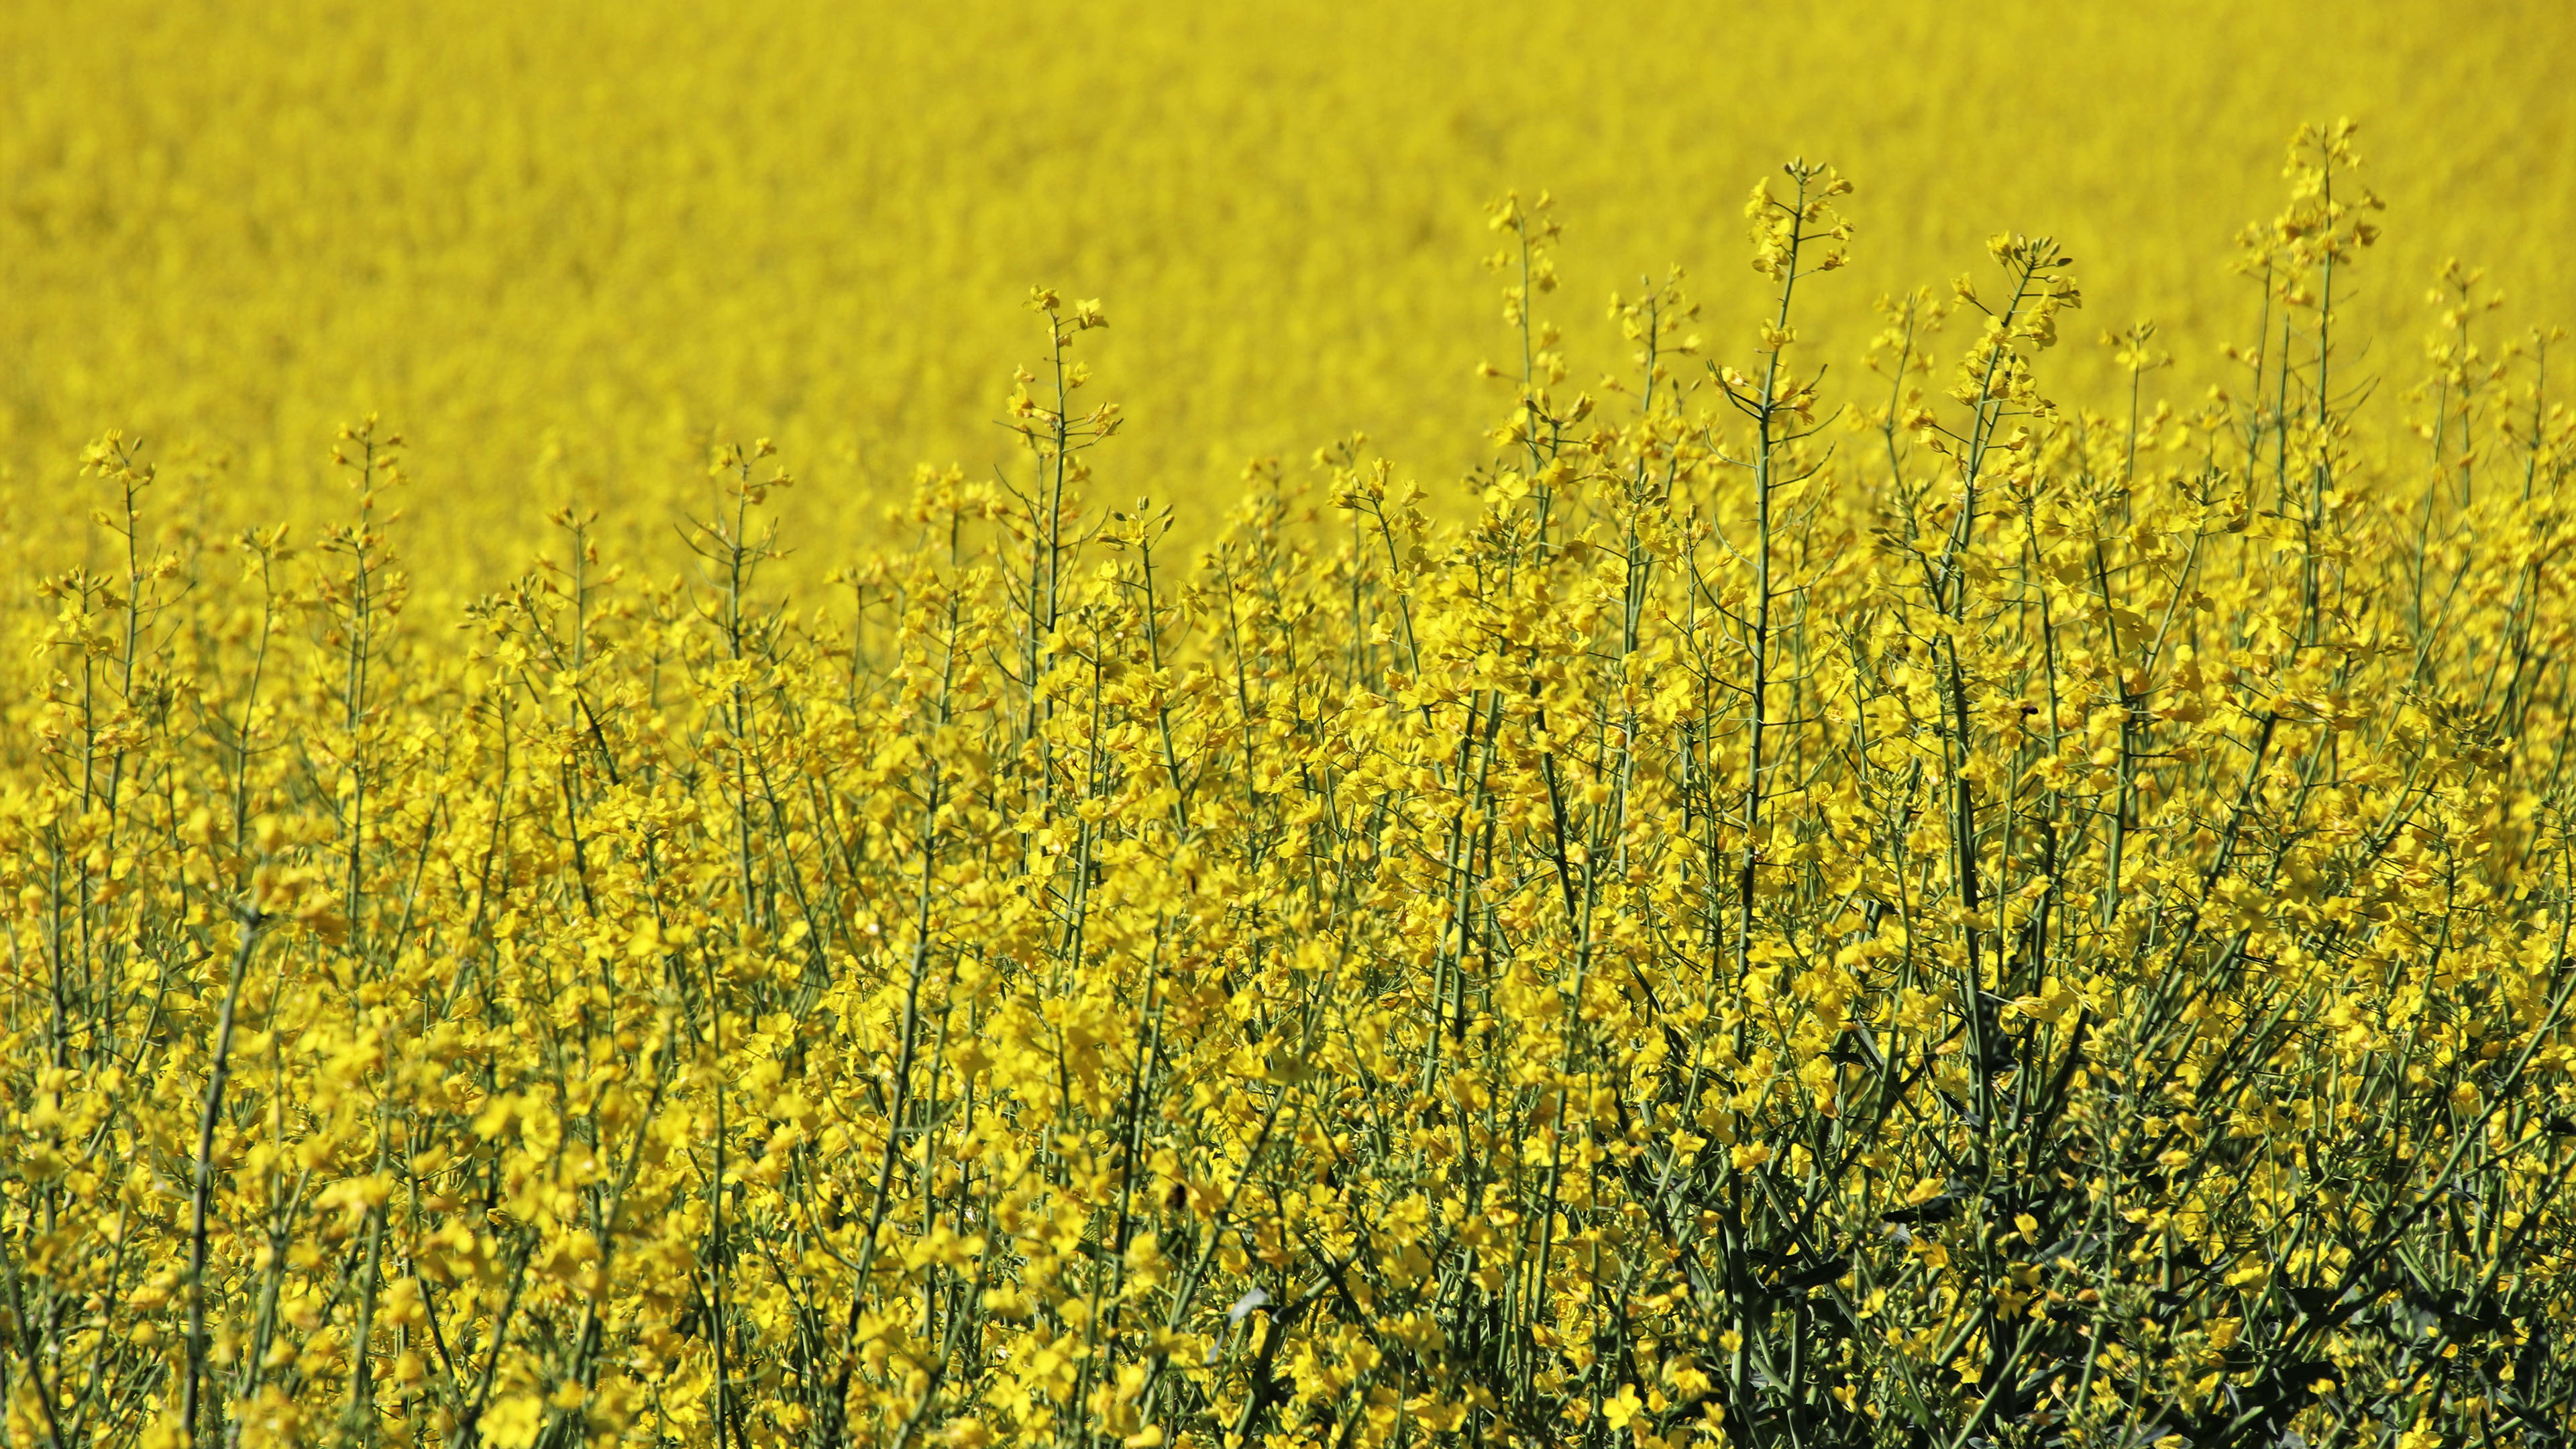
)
(569, 245)
(773, 726)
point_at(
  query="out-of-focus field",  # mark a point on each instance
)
(562, 245)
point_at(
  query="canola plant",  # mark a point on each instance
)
(1821, 913)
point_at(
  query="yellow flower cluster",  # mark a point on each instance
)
(1920, 918)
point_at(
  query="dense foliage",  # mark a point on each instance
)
(1930, 919)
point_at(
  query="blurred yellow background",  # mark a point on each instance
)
(561, 246)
